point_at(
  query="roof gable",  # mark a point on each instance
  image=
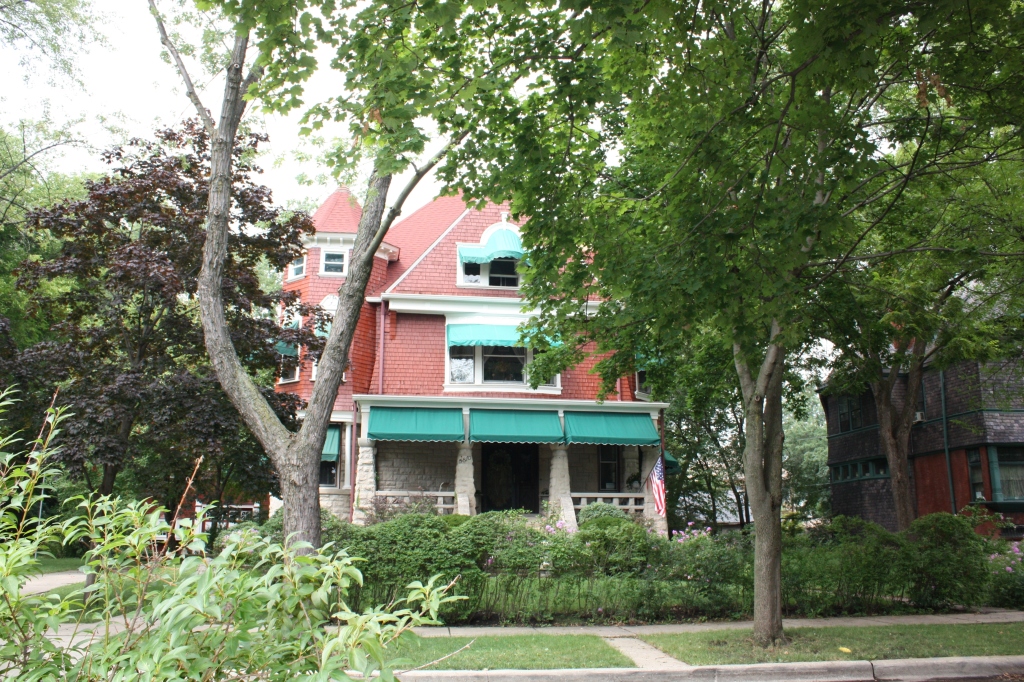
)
(415, 234)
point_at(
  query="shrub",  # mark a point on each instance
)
(599, 509)
(1006, 566)
(604, 522)
(266, 621)
(945, 561)
(331, 527)
(455, 520)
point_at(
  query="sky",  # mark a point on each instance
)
(127, 90)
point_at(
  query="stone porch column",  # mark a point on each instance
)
(465, 485)
(559, 487)
(650, 456)
(630, 463)
(365, 488)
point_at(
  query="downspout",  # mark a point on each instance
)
(353, 458)
(945, 439)
(380, 348)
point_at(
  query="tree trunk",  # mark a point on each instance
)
(107, 484)
(762, 466)
(894, 426)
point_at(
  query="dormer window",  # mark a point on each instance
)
(503, 273)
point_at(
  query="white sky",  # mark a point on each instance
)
(128, 87)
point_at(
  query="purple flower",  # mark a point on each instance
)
(1009, 570)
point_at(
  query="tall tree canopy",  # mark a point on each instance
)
(688, 163)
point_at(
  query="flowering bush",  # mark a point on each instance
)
(1007, 581)
(598, 510)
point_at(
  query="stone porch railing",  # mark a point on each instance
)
(631, 503)
(443, 500)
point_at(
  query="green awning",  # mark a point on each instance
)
(332, 446)
(289, 349)
(672, 465)
(502, 243)
(430, 424)
(483, 335)
(514, 426)
(610, 428)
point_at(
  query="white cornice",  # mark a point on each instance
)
(441, 305)
(346, 240)
(649, 408)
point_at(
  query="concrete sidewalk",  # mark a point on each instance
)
(51, 581)
(613, 631)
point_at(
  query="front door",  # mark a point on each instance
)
(510, 477)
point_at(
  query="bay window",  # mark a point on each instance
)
(1006, 466)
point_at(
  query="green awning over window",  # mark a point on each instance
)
(610, 428)
(425, 424)
(483, 335)
(501, 244)
(332, 446)
(514, 426)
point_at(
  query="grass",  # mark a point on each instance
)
(517, 652)
(49, 565)
(862, 643)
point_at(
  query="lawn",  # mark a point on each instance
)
(519, 652)
(49, 565)
(860, 643)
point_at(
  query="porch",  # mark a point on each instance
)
(490, 456)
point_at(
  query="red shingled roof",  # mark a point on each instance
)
(340, 213)
(415, 234)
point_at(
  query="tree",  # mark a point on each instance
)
(941, 282)
(696, 165)
(54, 29)
(381, 69)
(127, 349)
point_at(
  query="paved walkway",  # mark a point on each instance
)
(614, 631)
(51, 581)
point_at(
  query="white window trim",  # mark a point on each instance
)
(480, 386)
(298, 373)
(290, 276)
(323, 262)
(315, 364)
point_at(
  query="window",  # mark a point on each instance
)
(471, 273)
(503, 273)
(868, 468)
(289, 373)
(334, 263)
(504, 363)
(491, 365)
(977, 481)
(609, 467)
(641, 382)
(330, 457)
(297, 268)
(849, 413)
(462, 361)
(1007, 474)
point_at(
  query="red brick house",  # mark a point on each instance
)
(967, 447)
(436, 402)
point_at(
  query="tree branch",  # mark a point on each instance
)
(190, 89)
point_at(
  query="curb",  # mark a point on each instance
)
(901, 670)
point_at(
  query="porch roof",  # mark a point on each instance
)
(609, 428)
(424, 424)
(515, 426)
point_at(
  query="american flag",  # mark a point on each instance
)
(657, 481)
